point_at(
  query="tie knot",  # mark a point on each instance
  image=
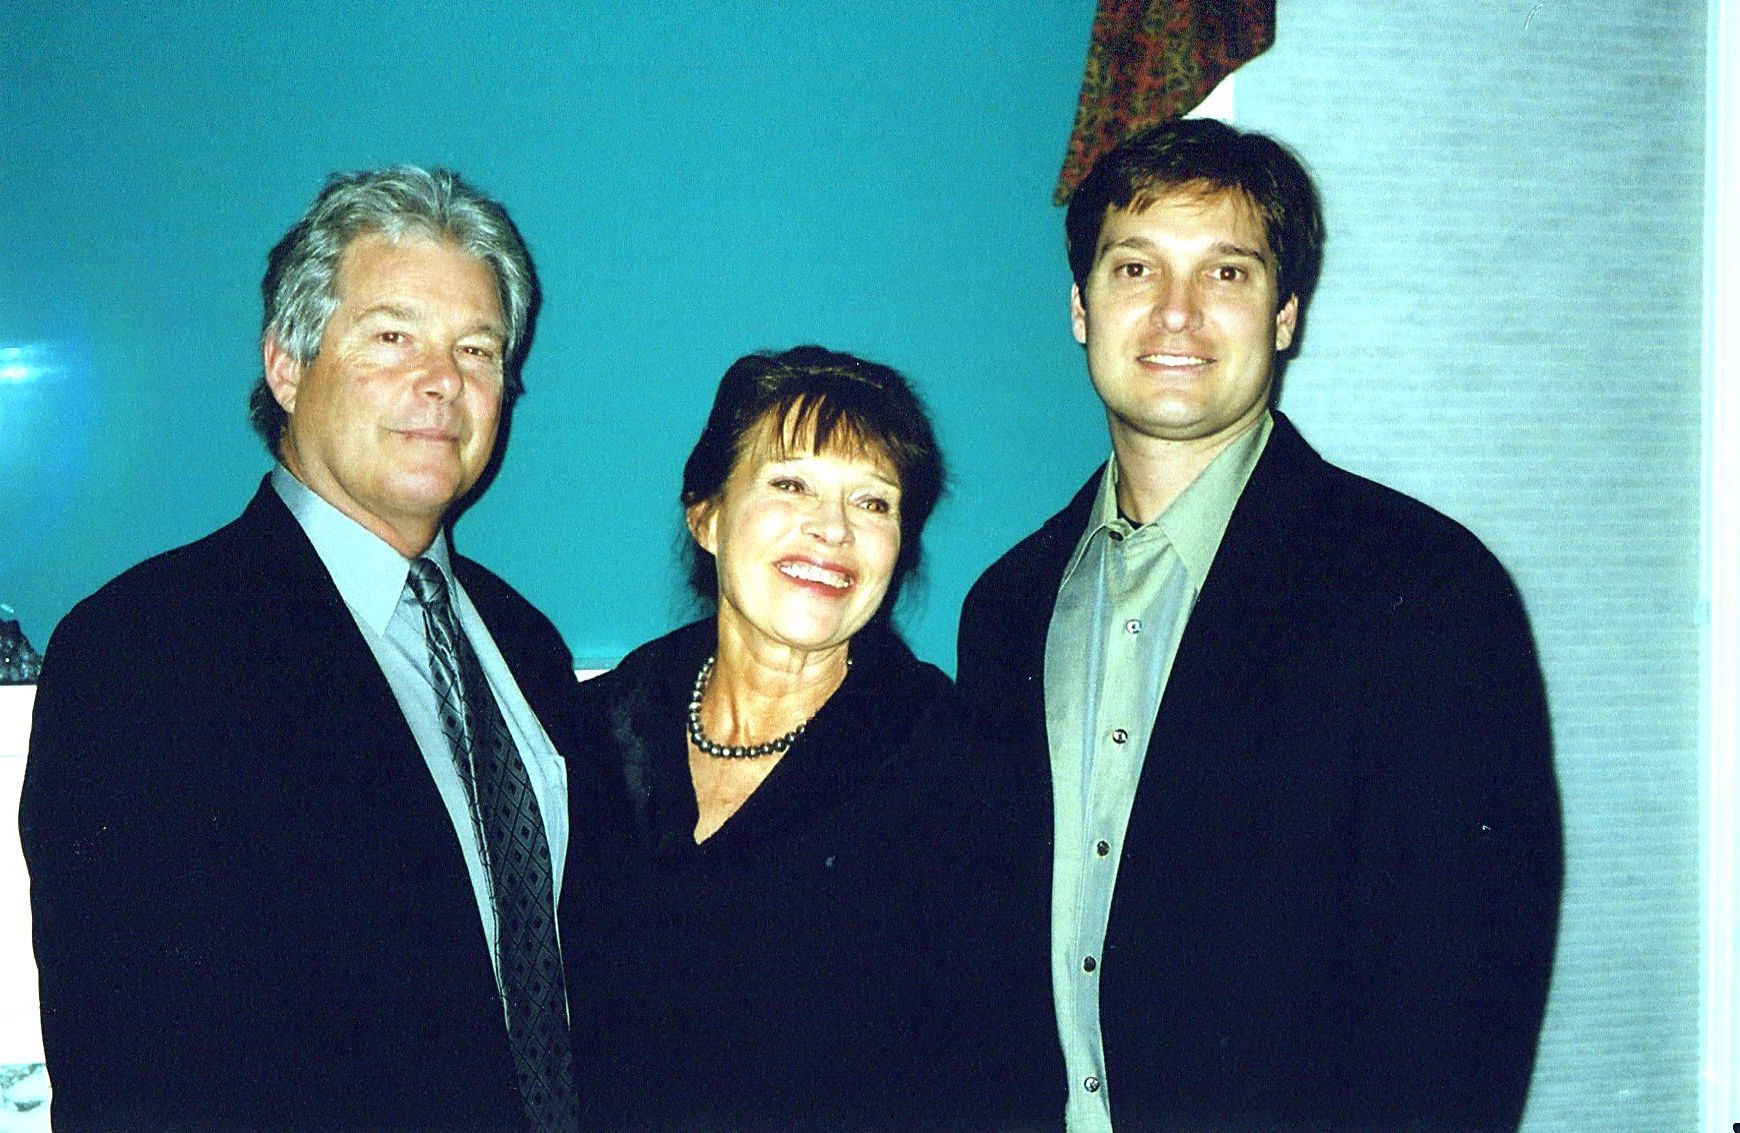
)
(427, 584)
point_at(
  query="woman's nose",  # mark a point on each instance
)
(830, 521)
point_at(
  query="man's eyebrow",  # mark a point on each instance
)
(393, 310)
(386, 311)
(493, 329)
(1129, 243)
(1227, 248)
(1141, 243)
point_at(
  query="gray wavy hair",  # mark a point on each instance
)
(299, 289)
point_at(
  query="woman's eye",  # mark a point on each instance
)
(787, 484)
(1131, 271)
(876, 504)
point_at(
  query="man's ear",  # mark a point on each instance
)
(283, 372)
(1077, 314)
(1286, 322)
(703, 522)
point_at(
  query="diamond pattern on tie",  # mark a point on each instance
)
(504, 810)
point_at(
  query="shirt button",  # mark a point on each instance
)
(1102, 848)
(1091, 1084)
(1089, 964)
(1134, 625)
(1120, 736)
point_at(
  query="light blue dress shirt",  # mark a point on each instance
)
(370, 576)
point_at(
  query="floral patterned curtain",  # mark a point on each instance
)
(1153, 60)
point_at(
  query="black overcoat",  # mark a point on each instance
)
(1338, 898)
(799, 970)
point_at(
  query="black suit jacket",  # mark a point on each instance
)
(1338, 897)
(250, 906)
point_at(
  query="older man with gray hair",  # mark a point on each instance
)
(295, 809)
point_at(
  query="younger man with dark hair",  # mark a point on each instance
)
(1286, 726)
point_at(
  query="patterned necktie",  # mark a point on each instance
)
(517, 853)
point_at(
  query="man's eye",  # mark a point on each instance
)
(1131, 271)
(392, 337)
(1229, 273)
(483, 353)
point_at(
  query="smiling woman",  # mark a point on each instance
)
(780, 900)
(805, 541)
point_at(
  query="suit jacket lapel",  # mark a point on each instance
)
(1036, 599)
(336, 709)
(1208, 709)
(535, 654)
(1264, 551)
(314, 642)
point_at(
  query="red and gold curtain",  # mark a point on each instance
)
(1153, 60)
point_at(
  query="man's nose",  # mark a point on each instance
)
(440, 376)
(1178, 306)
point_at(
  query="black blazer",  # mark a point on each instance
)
(250, 907)
(1338, 898)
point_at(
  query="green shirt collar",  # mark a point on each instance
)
(1197, 519)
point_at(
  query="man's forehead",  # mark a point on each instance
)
(1196, 198)
(369, 251)
(370, 240)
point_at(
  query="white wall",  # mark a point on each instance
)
(20, 1033)
(1721, 707)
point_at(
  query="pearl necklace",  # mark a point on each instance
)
(734, 751)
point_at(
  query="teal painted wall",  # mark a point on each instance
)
(695, 181)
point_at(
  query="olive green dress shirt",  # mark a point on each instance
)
(1121, 610)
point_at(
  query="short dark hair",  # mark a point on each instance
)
(832, 400)
(300, 286)
(1208, 154)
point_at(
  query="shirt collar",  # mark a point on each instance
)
(369, 573)
(1197, 519)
